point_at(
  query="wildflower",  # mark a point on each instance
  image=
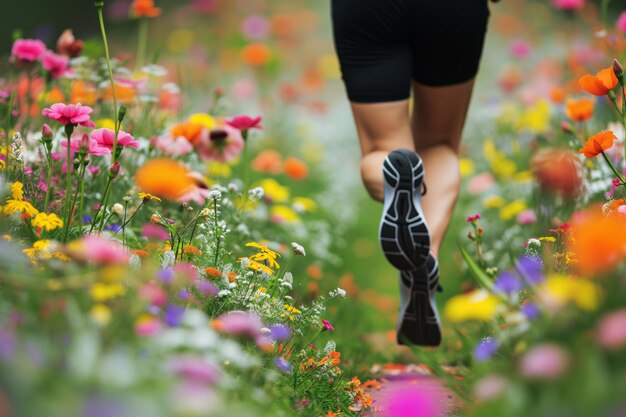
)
(282, 364)
(298, 249)
(476, 305)
(268, 161)
(531, 268)
(173, 145)
(68, 45)
(74, 114)
(507, 283)
(280, 332)
(56, 65)
(281, 213)
(474, 218)
(191, 250)
(173, 315)
(598, 143)
(164, 177)
(213, 272)
(601, 83)
(530, 310)
(490, 387)
(188, 130)
(98, 250)
(147, 325)
(545, 361)
(19, 206)
(100, 314)
(144, 8)
(245, 123)
(327, 326)
(612, 330)
(512, 209)
(295, 169)
(102, 291)
(239, 323)
(40, 248)
(256, 54)
(560, 290)
(148, 197)
(486, 348)
(106, 137)
(290, 312)
(48, 222)
(568, 4)
(223, 143)
(206, 288)
(621, 22)
(579, 110)
(264, 254)
(28, 50)
(558, 171)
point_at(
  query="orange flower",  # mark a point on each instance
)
(579, 110)
(124, 93)
(598, 143)
(599, 84)
(189, 130)
(83, 93)
(268, 161)
(144, 8)
(295, 168)
(256, 54)
(213, 272)
(141, 253)
(558, 171)
(557, 94)
(597, 242)
(372, 383)
(331, 414)
(164, 177)
(191, 250)
(232, 276)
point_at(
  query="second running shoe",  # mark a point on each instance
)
(403, 231)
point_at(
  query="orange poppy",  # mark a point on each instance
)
(295, 168)
(189, 130)
(599, 84)
(165, 178)
(579, 110)
(268, 161)
(256, 54)
(598, 242)
(144, 8)
(598, 143)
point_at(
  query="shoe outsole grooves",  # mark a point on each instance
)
(403, 231)
(419, 323)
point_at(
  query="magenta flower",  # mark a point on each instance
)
(28, 49)
(100, 251)
(245, 123)
(612, 330)
(412, 400)
(94, 147)
(473, 218)
(56, 65)
(222, 144)
(621, 22)
(155, 232)
(153, 294)
(106, 137)
(74, 114)
(568, 4)
(327, 326)
(520, 48)
(255, 27)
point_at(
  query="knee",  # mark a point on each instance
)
(371, 175)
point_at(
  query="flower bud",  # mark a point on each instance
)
(619, 71)
(121, 113)
(76, 163)
(46, 132)
(83, 146)
(118, 209)
(114, 170)
(566, 127)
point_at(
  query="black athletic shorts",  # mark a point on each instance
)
(384, 44)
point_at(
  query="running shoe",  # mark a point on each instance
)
(418, 322)
(403, 231)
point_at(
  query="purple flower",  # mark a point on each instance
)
(280, 332)
(531, 269)
(327, 325)
(114, 227)
(194, 368)
(507, 283)
(282, 364)
(166, 275)
(173, 315)
(8, 345)
(87, 219)
(206, 287)
(530, 310)
(486, 348)
(183, 294)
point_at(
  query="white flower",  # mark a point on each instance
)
(256, 193)
(533, 243)
(168, 259)
(118, 209)
(341, 292)
(223, 293)
(215, 194)
(288, 277)
(232, 187)
(298, 249)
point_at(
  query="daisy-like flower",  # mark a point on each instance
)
(48, 222)
(290, 312)
(106, 138)
(264, 254)
(19, 206)
(222, 143)
(258, 266)
(148, 197)
(94, 148)
(29, 50)
(74, 114)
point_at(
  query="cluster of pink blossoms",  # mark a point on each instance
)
(33, 50)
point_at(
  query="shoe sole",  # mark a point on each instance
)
(403, 232)
(419, 322)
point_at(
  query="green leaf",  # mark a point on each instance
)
(480, 275)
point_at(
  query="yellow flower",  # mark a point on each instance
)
(549, 239)
(219, 169)
(202, 119)
(106, 123)
(264, 254)
(536, 118)
(100, 314)
(476, 305)
(512, 209)
(501, 166)
(274, 191)
(39, 248)
(466, 166)
(17, 191)
(493, 201)
(18, 206)
(290, 312)
(524, 176)
(301, 204)
(284, 213)
(258, 266)
(2, 165)
(48, 222)
(103, 292)
(148, 197)
(559, 290)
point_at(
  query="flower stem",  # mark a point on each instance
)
(126, 221)
(142, 43)
(608, 161)
(69, 129)
(48, 179)
(81, 177)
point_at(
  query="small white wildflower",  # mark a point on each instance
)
(288, 277)
(171, 88)
(118, 209)
(341, 292)
(215, 195)
(245, 262)
(265, 330)
(256, 193)
(533, 243)
(154, 70)
(232, 285)
(223, 293)
(298, 249)
(232, 187)
(127, 198)
(168, 259)
(134, 262)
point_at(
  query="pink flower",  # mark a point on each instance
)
(327, 326)
(100, 251)
(612, 330)
(520, 48)
(412, 400)
(194, 368)
(148, 326)
(198, 195)
(546, 361)
(28, 49)
(155, 232)
(239, 323)
(527, 217)
(621, 22)
(245, 123)
(57, 65)
(173, 146)
(255, 27)
(490, 387)
(70, 113)
(94, 147)
(106, 137)
(222, 143)
(473, 218)
(153, 294)
(568, 4)
(244, 89)
(480, 183)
